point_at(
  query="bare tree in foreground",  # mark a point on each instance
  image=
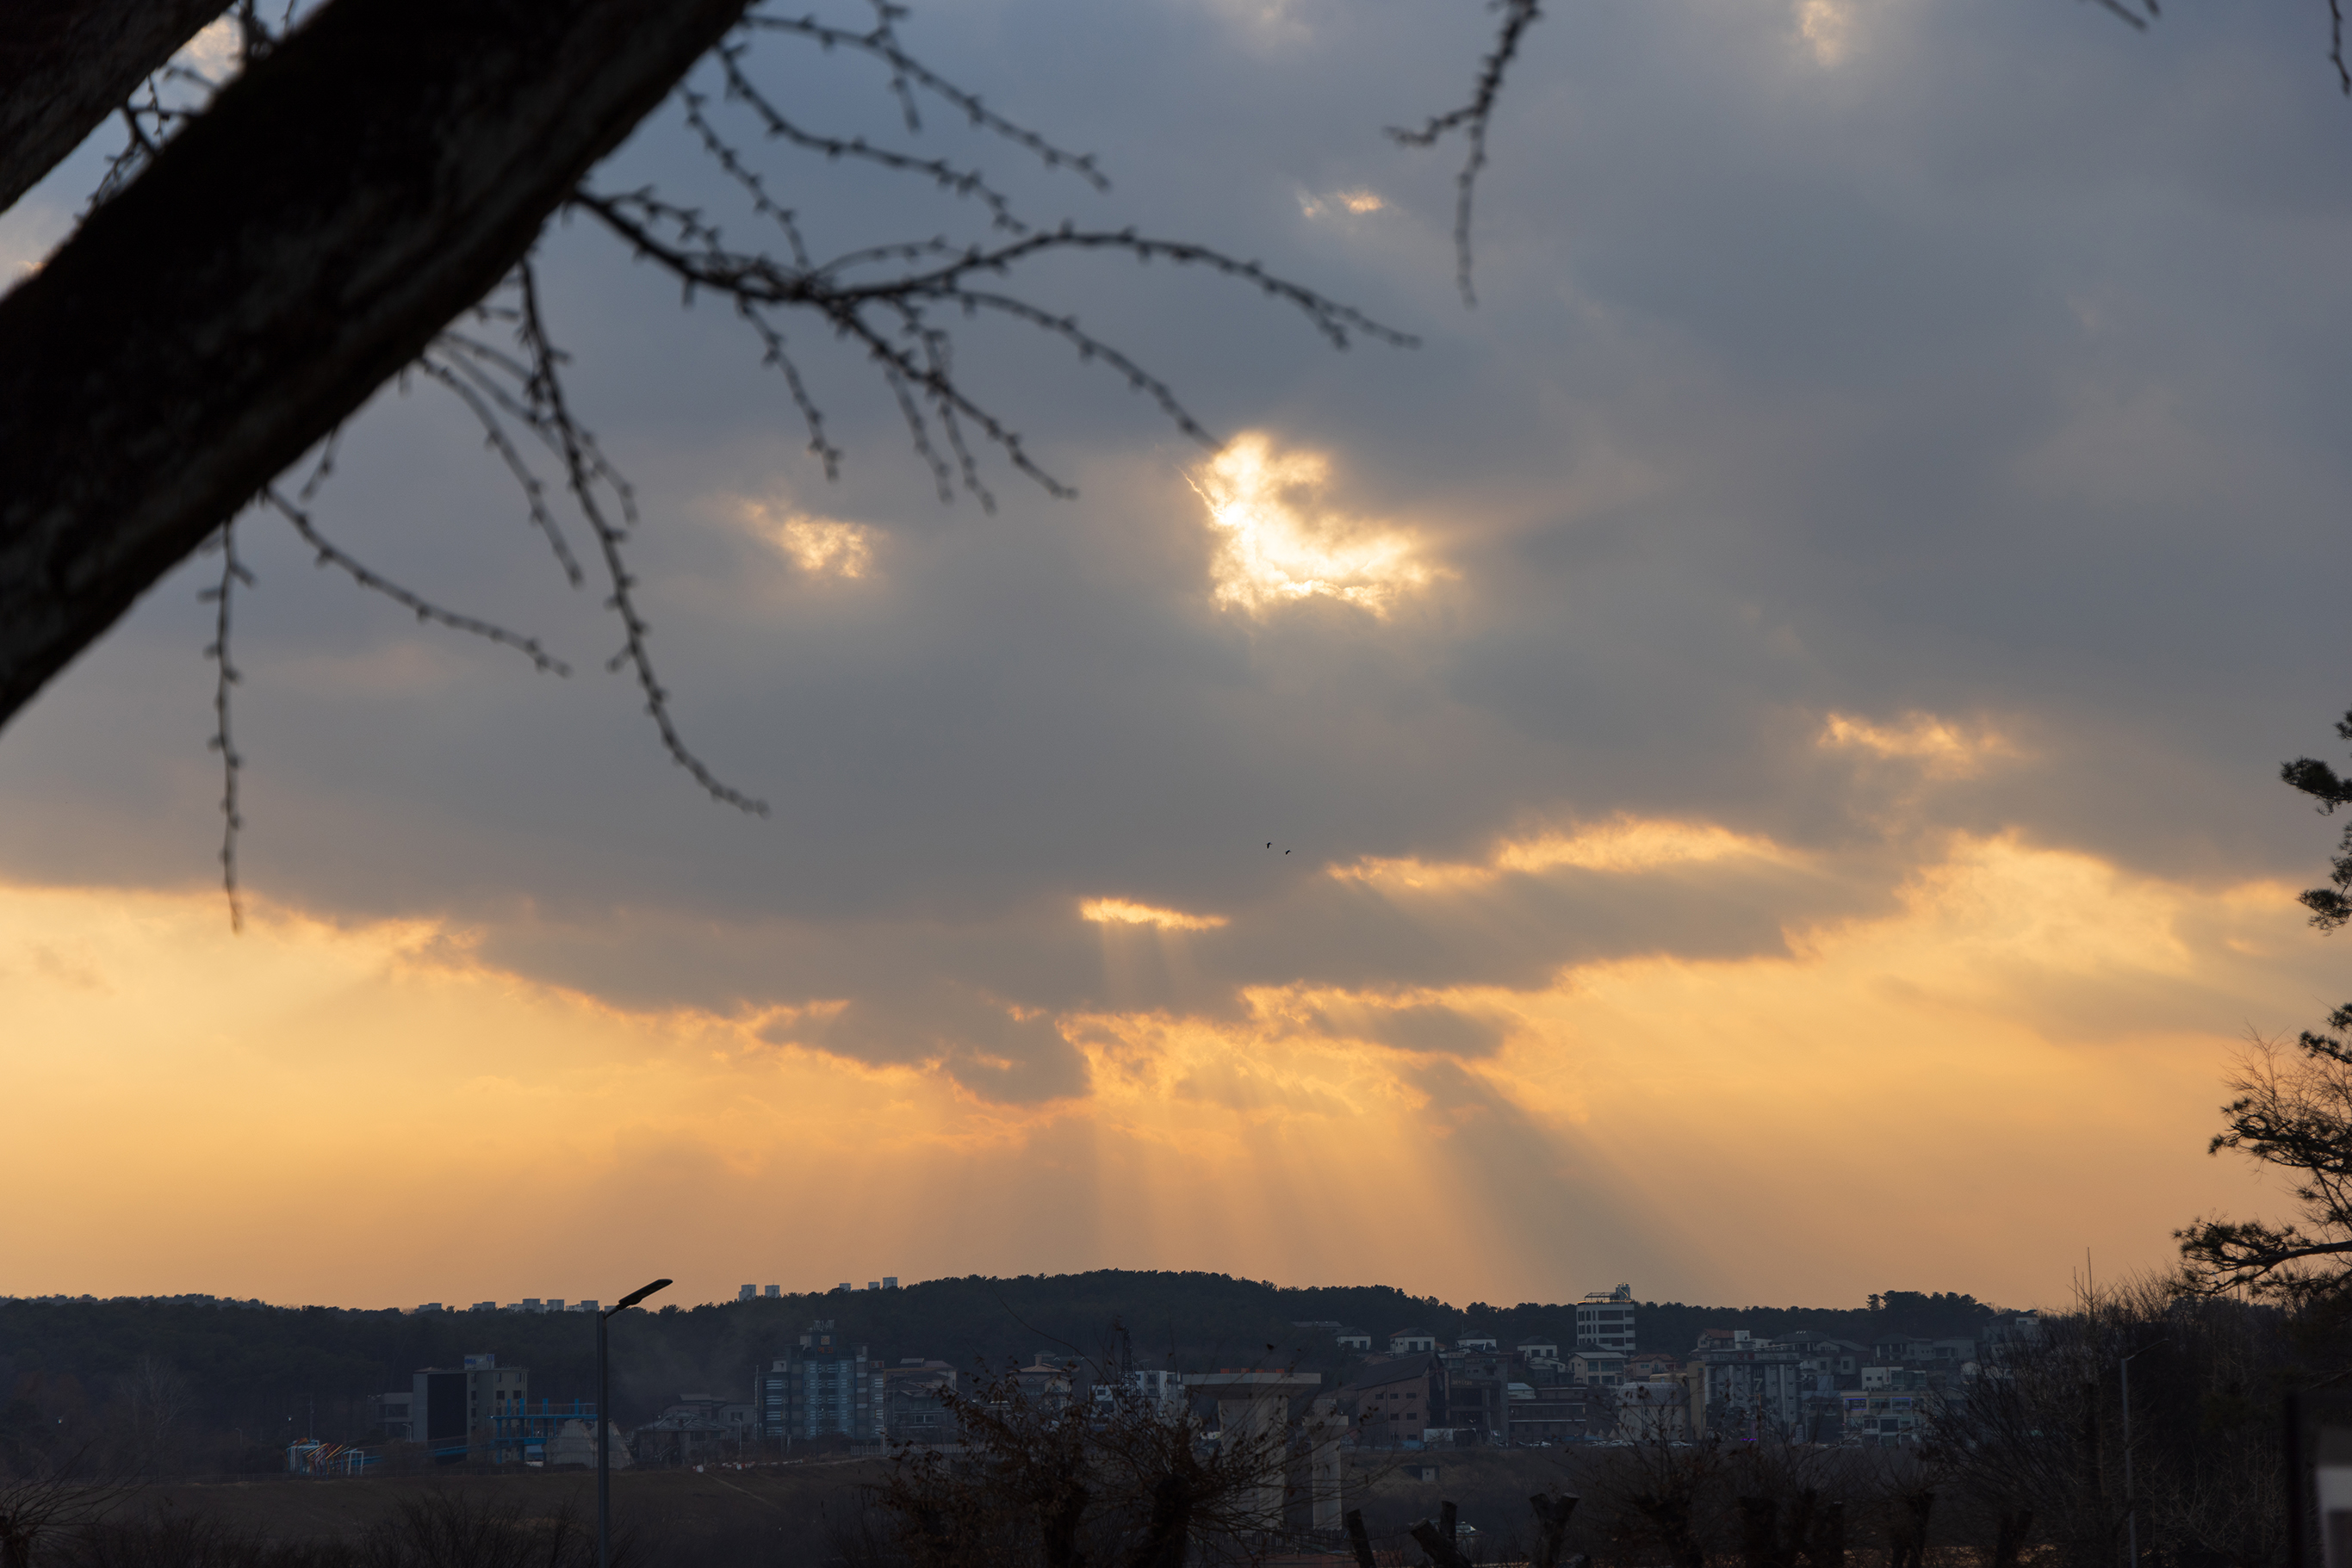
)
(2292, 1110)
(2035, 1456)
(1119, 1482)
(361, 199)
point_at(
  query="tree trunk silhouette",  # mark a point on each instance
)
(2015, 1528)
(1061, 1531)
(287, 252)
(1670, 1517)
(1759, 1535)
(1437, 1540)
(1552, 1514)
(1170, 1531)
(1358, 1538)
(1826, 1541)
(1907, 1537)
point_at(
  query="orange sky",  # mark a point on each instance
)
(2016, 1061)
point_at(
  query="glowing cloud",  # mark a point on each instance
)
(1827, 26)
(1938, 744)
(1279, 546)
(821, 546)
(1355, 202)
(1121, 912)
(1623, 844)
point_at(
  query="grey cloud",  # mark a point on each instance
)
(1754, 422)
(975, 1040)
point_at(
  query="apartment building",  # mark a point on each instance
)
(821, 1389)
(1604, 1320)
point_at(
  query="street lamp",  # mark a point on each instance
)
(2131, 1508)
(603, 1424)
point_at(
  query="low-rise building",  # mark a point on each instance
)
(1478, 1384)
(680, 1437)
(1394, 1399)
(1412, 1341)
(1044, 1382)
(474, 1412)
(1827, 1363)
(1654, 1412)
(912, 1408)
(1753, 1388)
(1882, 1418)
(1562, 1413)
(1140, 1390)
(388, 1414)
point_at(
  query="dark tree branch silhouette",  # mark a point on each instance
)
(2293, 1114)
(67, 65)
(251, 287)
(1471, 120)
(256, 265)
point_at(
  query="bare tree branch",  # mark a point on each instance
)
(339, 203)
(1471, 120)
(331, 554)
(222, 596)
(67, 65)
(585, 471)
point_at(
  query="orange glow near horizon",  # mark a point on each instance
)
(2021, 1023)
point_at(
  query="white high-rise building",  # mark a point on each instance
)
(1604, 1320)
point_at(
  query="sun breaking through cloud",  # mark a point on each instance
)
(820, 547)
(1279, 545)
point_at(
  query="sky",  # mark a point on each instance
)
(1744, 763)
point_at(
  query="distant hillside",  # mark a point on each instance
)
(265, 1374)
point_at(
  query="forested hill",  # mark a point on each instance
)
(261, 1369)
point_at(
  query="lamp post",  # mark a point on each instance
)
(604, 1425)
(2131, 1508)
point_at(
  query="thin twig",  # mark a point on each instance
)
(882, 44)
(1472, 120)
(937, 275)
(225, 675)
(2124, 13)
(584, 468)
(939, 171)
(331, 554)
(481, 398)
